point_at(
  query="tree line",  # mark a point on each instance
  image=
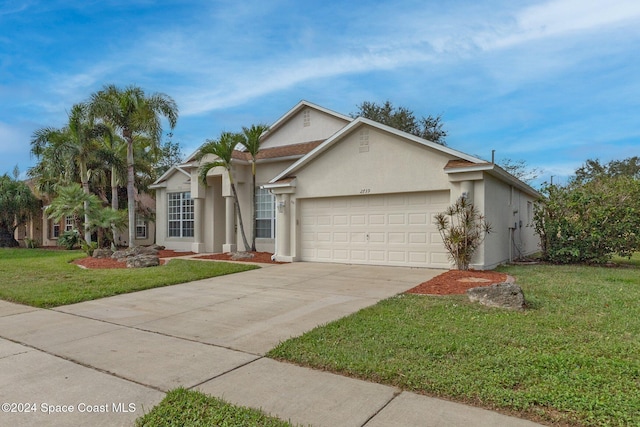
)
(111, 142)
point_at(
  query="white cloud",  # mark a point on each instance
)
(561, 17)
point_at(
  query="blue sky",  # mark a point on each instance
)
(552, 82)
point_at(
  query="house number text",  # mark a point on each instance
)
(365, 191)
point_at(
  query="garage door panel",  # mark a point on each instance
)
(397, 238)
(392, 229)
(377, 237)
(356, 220)
(376, 219)
(397, 219)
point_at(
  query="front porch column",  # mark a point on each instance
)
(283, 229)
(198, 226)
(230, 229)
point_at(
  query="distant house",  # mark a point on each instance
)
(45, 231)
(337, 189)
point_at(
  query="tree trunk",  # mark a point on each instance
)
(131, 203)
(254, 205)
(85, 187)
(235, 198)
(114, 203)
(6, 239)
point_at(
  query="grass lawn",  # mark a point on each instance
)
(572, 358)
(192, 408)
(45, 278)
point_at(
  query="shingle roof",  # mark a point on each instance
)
(276, 152)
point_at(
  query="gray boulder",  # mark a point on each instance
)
(501, 295)
(237, 256)
(143, 260)
(134, 251)
(102, 253)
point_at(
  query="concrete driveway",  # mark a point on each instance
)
(98, 357)
(106, 362)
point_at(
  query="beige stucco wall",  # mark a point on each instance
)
(505, 208)
(345, 169)
(320, 126)
(176, 182)
(390, 165)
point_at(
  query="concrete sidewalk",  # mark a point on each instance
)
(111, 360)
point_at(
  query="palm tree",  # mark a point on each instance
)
(77, 143)
(133, 114)
(222, 149)
(251, 141)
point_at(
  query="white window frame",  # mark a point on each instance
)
(69, 223)
(141, 225)
(265, 214)
(180, 215)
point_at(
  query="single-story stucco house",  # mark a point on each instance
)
(337, 189)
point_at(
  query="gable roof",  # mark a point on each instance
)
(299, 107)
(362, 121)
(173, 169)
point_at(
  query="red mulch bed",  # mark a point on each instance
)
(90, 262)
(455, 282)
(261, 257)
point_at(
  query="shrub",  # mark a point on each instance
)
(589, 222)
(464, 233)
(31, 243)
(70, 239)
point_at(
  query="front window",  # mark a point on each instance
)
(265, 214)
(55, 232)
(141, 228)
(180, 214)
(68, 223)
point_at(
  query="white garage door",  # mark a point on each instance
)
(387, 229)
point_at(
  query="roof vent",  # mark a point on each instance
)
(364, 140)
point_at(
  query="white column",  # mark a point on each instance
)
(283, 227)
(230, 232)
(198, 226)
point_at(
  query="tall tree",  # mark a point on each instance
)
(170, 155)
(251, 141)
(594, 169)
(132, 113)
(429, 128)
(77, 143)
(519, 169)
(222, 150)
(17, 206)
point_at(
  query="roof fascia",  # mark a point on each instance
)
(498, 172)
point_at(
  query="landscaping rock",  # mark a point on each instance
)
(501, 295)
(102, 253)
(135, 251)
(237, 256)
(142, 261)
(156, 247)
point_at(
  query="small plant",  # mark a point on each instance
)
(463, 233)
(70, 239)
(31, 243)
(88, 248)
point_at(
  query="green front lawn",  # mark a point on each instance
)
(572, 358)
(45, 278)
(192, 408)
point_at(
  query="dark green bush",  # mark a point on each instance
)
(70, 239)
(589, 222)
